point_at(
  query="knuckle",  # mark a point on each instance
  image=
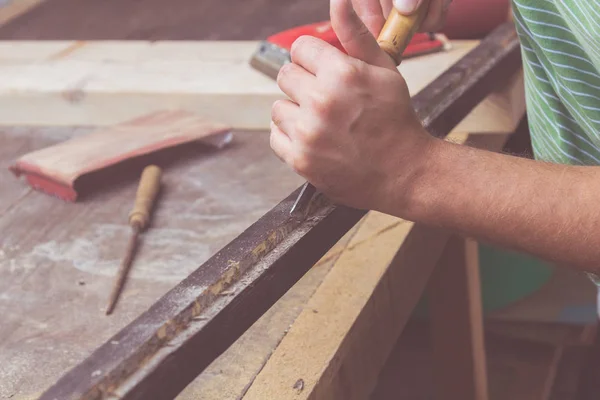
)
(308, 135)
(300, 44)
(321, 103)
(349, 73)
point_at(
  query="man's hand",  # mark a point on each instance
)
(374, 13)
(349, 127)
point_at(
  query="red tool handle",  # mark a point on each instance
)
(421, 42)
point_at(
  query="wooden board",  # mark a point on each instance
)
(518, 370)
(58, 260)
(103, 83)
(358, 311)
(568, 380)
(163, 20)
(557, 334)
(15, 8)
(456, 316)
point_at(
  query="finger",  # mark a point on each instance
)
(285, 114)
(371, 13)
(280, 144)
(296, 82)
(407, 7)
(386, 7)
(355, 37)
(312, 53)
(436, 12)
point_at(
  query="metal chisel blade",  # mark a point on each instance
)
(304, 198)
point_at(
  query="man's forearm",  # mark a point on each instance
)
(548, 210)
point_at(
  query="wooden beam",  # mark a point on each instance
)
(107, 82)
(455, 310)
(341, 340)
(195, 322)
(16, 8)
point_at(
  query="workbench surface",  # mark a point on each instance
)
(58, 260)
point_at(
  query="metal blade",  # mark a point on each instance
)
(304, 198)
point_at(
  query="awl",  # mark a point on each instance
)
(395, 35)
(139, 217)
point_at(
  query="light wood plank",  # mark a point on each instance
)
(15, 8)
(341, 340)
(107, 82)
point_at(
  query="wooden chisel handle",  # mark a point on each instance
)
(399, 29)
(146, 194)
(395, 35)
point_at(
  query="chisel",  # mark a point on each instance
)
(138, 220)
(395, 35)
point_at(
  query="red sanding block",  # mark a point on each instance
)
(274, 52)
(55, 170)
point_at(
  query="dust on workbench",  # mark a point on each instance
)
(58, 260)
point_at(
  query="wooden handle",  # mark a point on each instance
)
(399, 30)
(146, 194)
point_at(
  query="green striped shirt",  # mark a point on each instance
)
(560, 44)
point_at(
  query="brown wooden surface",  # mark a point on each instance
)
(162, 19)
(457, 324)
(58, 260)
(47, 246)
(517, 369)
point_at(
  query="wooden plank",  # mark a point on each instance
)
(58, 260)
(104, 83)
(568, 376)
(15, 8)
(558, 334)
(518, 369)
(456, 317)
(160, 20)
(358, 311)
(196, 321)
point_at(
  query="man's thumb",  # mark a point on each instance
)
(407, 7)
(354, 35)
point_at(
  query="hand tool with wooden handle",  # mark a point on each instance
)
(274, 52)
(395, 35)
(138, 220)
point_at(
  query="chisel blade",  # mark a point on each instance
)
(304, 198)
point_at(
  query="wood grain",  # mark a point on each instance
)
(58, 260)
(16, 8)
(66, 162)
(104, 83)
(162, 20)
(359, 310)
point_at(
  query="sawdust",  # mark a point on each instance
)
(164, 254)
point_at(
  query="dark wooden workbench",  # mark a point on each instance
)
(58, 260)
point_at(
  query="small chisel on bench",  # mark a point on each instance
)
(138, 220)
